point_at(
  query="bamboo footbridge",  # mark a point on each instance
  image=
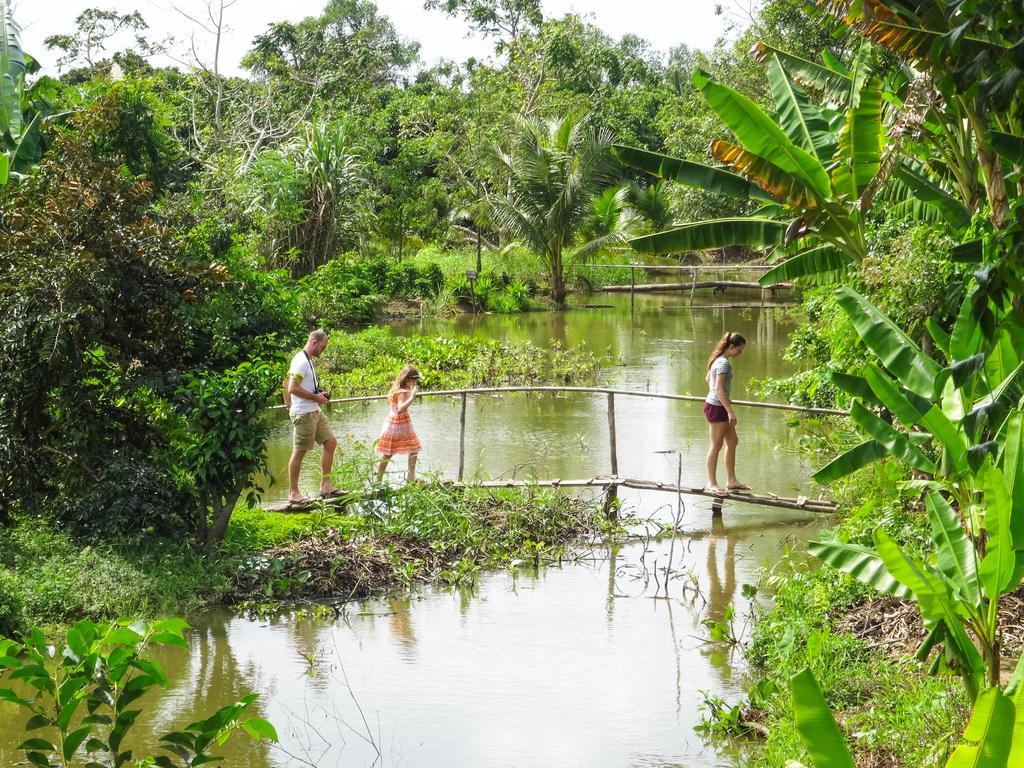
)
(719, 286)
(608, 483)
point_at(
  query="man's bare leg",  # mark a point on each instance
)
(326, 465)
(294, 465)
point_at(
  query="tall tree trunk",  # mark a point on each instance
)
(222, 509)
(479, 263)
(557, 278)
(202, 522)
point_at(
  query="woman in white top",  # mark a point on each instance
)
(720, 415)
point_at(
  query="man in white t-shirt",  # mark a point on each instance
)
(310, 426)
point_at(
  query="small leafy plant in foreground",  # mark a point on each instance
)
(80, 698)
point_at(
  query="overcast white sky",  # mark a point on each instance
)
(666, 23)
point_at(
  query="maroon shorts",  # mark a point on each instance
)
(715, 413)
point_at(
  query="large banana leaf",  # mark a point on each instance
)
(990, 730)
(939, 335)
(854, 385)
(905, 405)
(759, 134)
(992, 410)
(952, 210)
(866, 453)
(717, 233)
(1012, 464)
(935, 604)
(833, 83)
(12, 73)
(859, 155)
(816, 726)
(1005, 355)
(1017, 742)
(692, 174)
(860, 70)
(956, 557)
(915, 370)
(815, 266)
(966, 337)
(894, 442)
(789, 189)
(1008, 146)
(998, 564)
(802, 120)
(861, 562)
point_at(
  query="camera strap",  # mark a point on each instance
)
(316, 384)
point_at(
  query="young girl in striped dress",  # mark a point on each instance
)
(398, 436)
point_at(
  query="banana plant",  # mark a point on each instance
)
(21, 112)
(814, 169)
(971, 54)
(994, 737)
(961, 425)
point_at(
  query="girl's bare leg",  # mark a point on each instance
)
(716, 437)
(731, 441)
(411, 475)
(381, 467)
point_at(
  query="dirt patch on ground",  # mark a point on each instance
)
(894, 626)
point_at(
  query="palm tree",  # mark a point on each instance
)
(554, 171)
(334, 175)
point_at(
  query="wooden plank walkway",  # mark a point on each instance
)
(604, 483)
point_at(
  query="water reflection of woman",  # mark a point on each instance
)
(720, 415)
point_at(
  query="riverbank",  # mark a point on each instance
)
(419, 534)
(859, 646)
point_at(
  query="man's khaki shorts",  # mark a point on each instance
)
(310, 428)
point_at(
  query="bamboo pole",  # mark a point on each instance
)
(805, 504)
(462, 437)
(593, 390)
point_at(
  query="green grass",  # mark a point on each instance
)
(48, 578)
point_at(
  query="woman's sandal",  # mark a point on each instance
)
(716, 491)
(738, 487)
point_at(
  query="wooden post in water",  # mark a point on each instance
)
(611, 434)
(716, 507)
(612, 493)
(693, 284)
(462, 438)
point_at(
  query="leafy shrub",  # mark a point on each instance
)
(129, 497)
(348, 290)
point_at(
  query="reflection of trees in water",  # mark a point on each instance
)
(208, 679)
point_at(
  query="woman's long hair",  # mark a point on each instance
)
(407, 374)
(731, 339)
